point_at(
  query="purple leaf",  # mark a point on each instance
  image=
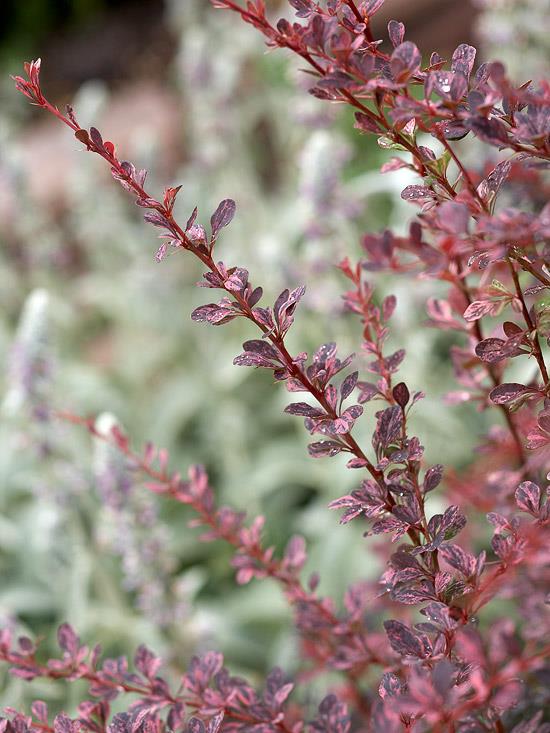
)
(170, 197)
(401, 394)
(255, 296)
(453, 217)
(344, 423)
(543, 420)
(433, 477)
(499, 522)
(408, 514)
(84, 137)
(368, 500)
(196, 234)
(348, 385)
(336, 80)
(146, 662)
(385, 718)
(26, 645)
(452, 522)
(324, 448)
(201, 670)
(463, 60)
(295, 553)
(156, 219)
(491, 131)
(459, 87)
(411, 596)
(263, 316)
(214, 724)
(536, 439)
(396, 32)
(440, 82)
(257, 346)
(508, 695)
(403, 640)
(276, 689)
(195, 725)
(389, 425)
(63, 724)
(490, 186)
(478, 309)
(333, 717)
(388, 307)
(222, 216)
(368, 391)
(438, 613)
(40, 711)
(370, 7)
(365, 124)
(508, 392)
(191, 219)
(390, 685)
(391, 362)
(390, 524)
(213, 314)
(405, 61)
(258, 353)
(417, 193)
(303, 409)
(491, 350)
(284, 308)
(68, 640)
(458, 558)
(237, 280)
(161, 252)
(302, 7)
(535, 290)
(528, 497)
(95, 137)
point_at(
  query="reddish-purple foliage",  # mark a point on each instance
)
(437, 671)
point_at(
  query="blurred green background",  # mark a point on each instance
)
(89, 322)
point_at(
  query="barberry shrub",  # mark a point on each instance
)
(432, 646)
